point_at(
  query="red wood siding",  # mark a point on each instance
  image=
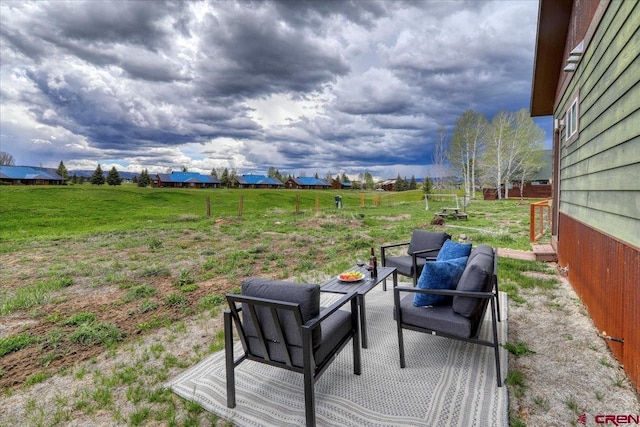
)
(605, 274)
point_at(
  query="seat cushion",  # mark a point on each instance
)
(334, 329)
(439, 318)
(404, 264)
(476, 277)
(439, 275)
(307, 295)
(422, 240)
(453, 250)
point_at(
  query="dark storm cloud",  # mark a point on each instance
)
(251, 54)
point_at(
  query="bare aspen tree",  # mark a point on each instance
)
(513, 143)
(440, 150)
(494, 158)
(466, 145)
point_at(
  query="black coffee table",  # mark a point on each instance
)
(363, 286)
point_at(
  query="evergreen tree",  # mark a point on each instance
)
(62, 171)
(398, 185)
(412, 184)
(113, 178)
(144, 179)
(74, 179)
(81, 179)
(98, 177)
(427, 186)
(224, 178)
(214, 173)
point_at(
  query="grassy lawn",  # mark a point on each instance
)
(92, 272)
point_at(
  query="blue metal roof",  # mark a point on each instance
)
(27, 172)
(309, 180)
(188, 177)
(258, 180)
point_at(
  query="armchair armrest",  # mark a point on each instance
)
(313, 322)
(449, 292)
(392, 245)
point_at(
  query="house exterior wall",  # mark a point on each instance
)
(598, 229)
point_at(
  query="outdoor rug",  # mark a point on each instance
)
(445, 383)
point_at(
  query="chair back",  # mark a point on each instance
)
(269, 316)
(423, 240)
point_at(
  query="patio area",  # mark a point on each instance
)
(446, 382)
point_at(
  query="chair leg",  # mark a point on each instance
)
(229, 361)
(400, 335)
(496, 343)
(309, 397)
(357, 360)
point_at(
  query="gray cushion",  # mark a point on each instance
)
(334, 327)
(481, 250)
(436, 318)
(404, 264)
(307, 295)
(422, 240)
(475, 278)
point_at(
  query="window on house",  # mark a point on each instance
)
(571, 121)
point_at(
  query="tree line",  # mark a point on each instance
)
(493, 154)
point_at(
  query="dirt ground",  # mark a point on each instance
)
(569, 373)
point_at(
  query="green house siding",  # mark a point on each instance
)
(600, 170)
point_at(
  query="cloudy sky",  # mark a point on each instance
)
(303, 86)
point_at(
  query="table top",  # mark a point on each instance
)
(361, 286)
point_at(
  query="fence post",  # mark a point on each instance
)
(208, 202)
(362, 200)
(297, 203)
(240, 205)
(317, 203)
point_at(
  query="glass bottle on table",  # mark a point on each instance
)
(373, 264)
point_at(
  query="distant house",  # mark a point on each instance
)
(303, 182)
(186, 180)
(587, 76)
(258, 181)
(26, 175)
(338, 185)
(388, 185)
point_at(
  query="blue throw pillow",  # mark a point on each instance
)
(439, 275)
(452, 250)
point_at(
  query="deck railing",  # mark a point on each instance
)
(540, 219)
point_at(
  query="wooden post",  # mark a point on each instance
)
(317, 203)
(208, 202)
(362, 200)
(297, 203)
(240, 205)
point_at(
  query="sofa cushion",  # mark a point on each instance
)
(307, 295)
(404, 264)
(452, 250)
(438, 275)
(481, 250)
(476, 277)
(422, 240)
(440, 318)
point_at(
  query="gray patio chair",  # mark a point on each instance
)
(461, 317)
(281, 324)
(423, 246)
